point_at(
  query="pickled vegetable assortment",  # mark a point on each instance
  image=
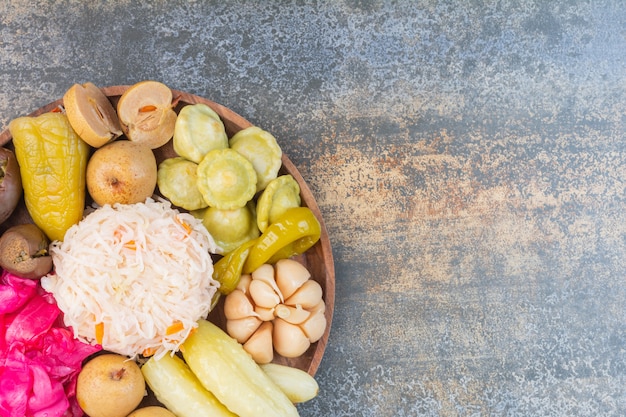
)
(231, 187)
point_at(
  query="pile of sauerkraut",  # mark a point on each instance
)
(135, 278)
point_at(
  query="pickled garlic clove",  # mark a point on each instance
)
(307, 296)
(290, 275)
(244, 283)
(293, 315)
(289, 339)
(266, 274)
(315, 324)
(242, 329)
(265, 314)
(259, 345)
(238, 306)
(263, 294)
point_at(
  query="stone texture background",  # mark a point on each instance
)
(468, 158)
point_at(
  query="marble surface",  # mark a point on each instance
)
(468, 158)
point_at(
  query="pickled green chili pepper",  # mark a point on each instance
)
(227, 270)
(291, 234)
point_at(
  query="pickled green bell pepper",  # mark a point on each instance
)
(53, 161)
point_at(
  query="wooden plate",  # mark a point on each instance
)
(319, 259)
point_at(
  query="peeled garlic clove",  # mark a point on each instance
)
(242, 329)
(307, 296)
(290, 275)
(293, 315)
(289, 339)
(265, 314)
(263, 295)
(244, 283)
(259, 345)
(315, 326)
(237, 306)
(265, 273)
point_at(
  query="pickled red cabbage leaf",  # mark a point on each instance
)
(39, 357)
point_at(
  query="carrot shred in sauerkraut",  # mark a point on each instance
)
(142, 272)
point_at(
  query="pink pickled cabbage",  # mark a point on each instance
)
(39, 357)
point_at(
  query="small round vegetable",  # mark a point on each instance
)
(10, 183)
(261, 148)
(281, 194)
(24, 251)
(197, 131)
(230, 228)
(226, 179)
(177, 180)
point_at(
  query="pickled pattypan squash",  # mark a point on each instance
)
(281, 193)
(177, 180)
(226, 179)
(260, 148)
(229, 228)
(198, 130)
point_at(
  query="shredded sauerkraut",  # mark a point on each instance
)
(134, 278)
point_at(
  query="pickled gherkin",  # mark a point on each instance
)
(53, 161)
(176, 387)
(229, 372)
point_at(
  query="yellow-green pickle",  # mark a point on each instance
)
(52, 160)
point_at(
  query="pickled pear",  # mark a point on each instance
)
(91, 114)
(146, 113)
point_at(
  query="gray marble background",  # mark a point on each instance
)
(468, 158)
